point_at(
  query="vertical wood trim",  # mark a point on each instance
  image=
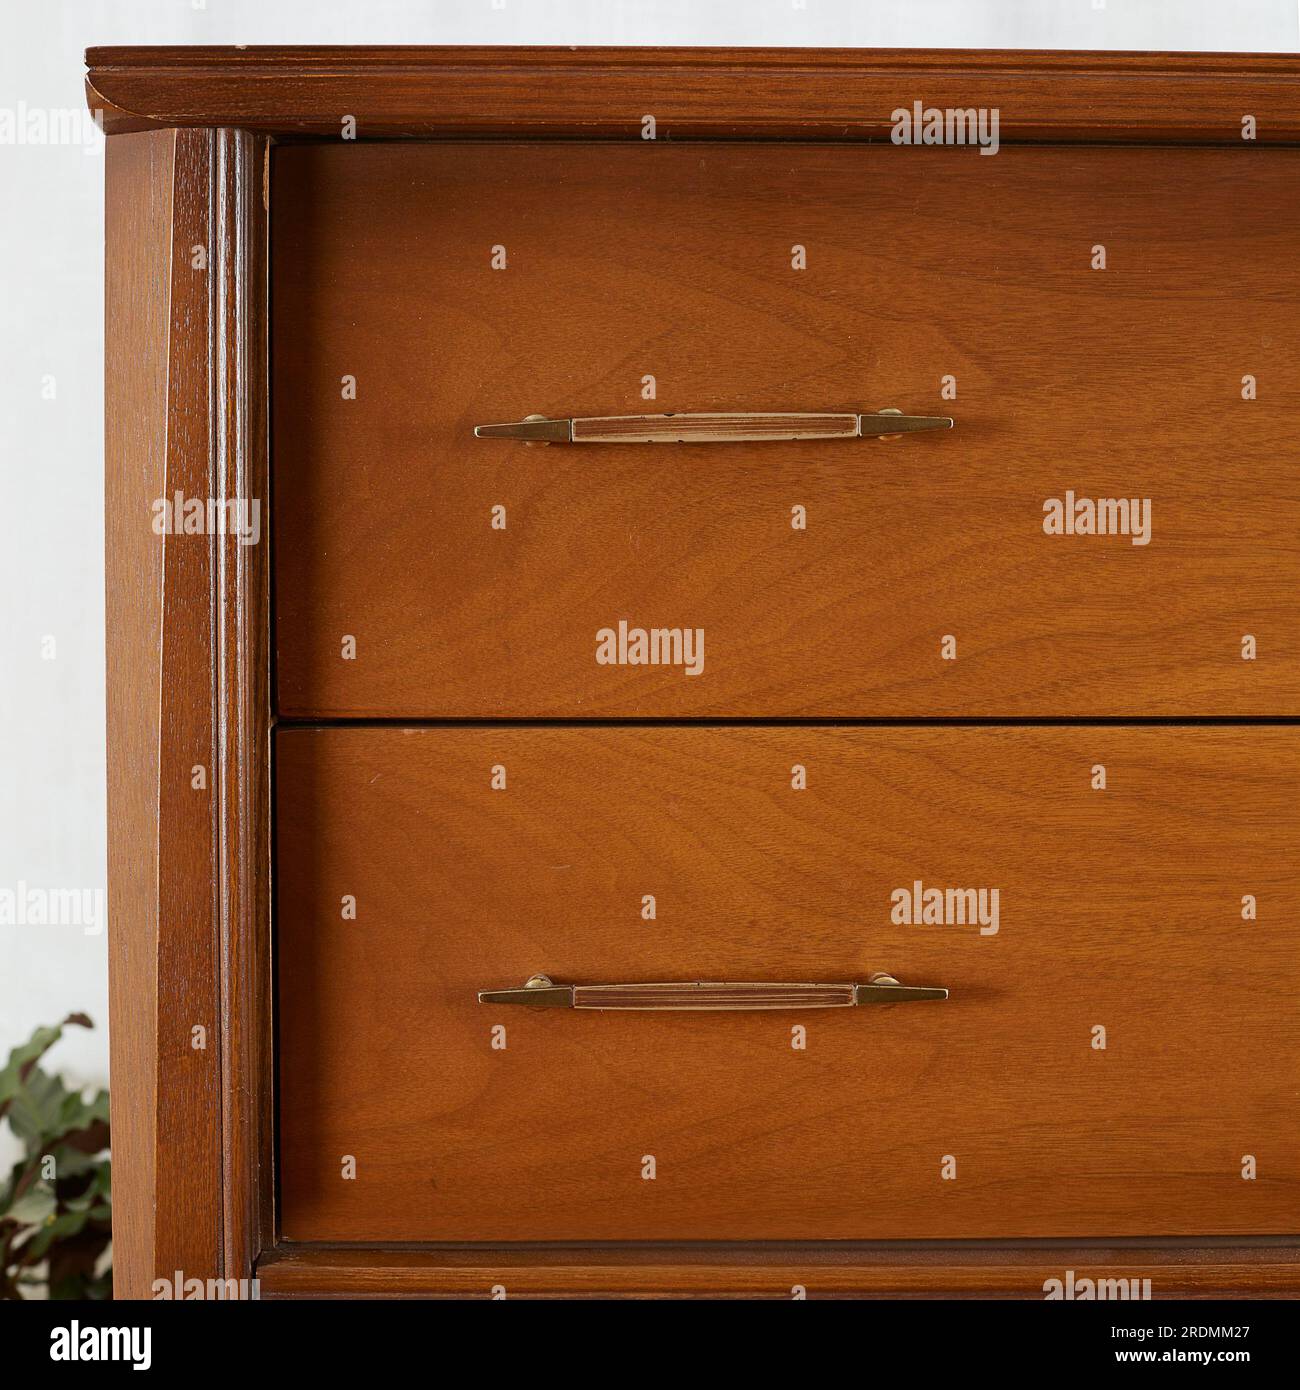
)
(137, 237)
(188, 686)
(188, 1153)
(244, 705)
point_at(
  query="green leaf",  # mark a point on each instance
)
(98, 1112)
(75, 1112)
(36, 1205)
(100, 1183)
(14, 1186)
(69, 1162)
(10, 1186)
(64, 1225)
(25, 1055)
(60, 1226)
(36, 1105)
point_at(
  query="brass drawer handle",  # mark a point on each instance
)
(542, 992)
(738, 428)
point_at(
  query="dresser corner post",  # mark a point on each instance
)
(187, 704)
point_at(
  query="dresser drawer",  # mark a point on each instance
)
(1109, 530)
(1119, 1054)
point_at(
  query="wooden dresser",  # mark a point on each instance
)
(704, 659)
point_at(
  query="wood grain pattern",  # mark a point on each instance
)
(188, 702)
(755, 93)
(137, 243)
(188, 653)
(188, 1200)
(1120, 908)
(825, 1271)
(242, 631)
(1123, 383)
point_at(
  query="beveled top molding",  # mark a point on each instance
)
(693, 93)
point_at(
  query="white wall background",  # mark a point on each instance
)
(52, 830)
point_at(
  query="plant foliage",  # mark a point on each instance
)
(55, 1203)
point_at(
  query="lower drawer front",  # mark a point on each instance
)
(1119, 1054)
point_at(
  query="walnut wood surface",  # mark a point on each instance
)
(675, 261)
(188, 641)
(824, 1271)
(1119, 908)
(837, 94)
(188, 709)
(243, 685)
(162, 933)
(137, 236)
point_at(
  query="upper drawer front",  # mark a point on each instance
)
(1119, 1054)
(420, 290)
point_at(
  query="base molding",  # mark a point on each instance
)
(780, 1271)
